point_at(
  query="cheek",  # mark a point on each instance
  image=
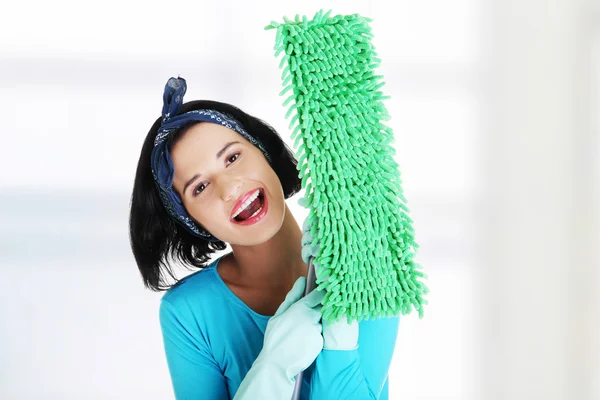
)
(272, 178)
(200, 212)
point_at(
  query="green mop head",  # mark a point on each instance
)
(358, 230)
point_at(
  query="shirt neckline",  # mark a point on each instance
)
(232, 295)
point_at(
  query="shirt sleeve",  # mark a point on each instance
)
(194, 372)
(359, 374)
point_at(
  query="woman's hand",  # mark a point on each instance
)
(293, 338)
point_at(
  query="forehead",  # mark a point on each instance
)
(208, 136)
(199, 146)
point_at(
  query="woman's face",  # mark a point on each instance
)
(217, 172)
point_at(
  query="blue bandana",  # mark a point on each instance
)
(162, 164)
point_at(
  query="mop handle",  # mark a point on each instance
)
(311, 283)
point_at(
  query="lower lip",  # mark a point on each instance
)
(257, 217)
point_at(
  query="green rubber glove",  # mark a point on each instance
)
(339, 335)
(293, 340)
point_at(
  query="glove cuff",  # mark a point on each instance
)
(340, 335)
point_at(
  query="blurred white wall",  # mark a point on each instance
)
(496, 113)
(539, 215)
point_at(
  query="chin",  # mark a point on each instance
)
(251, 239)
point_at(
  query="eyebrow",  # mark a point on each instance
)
(219, 155)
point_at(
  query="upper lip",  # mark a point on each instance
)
(241, 201)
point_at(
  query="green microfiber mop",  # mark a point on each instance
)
(358, 231)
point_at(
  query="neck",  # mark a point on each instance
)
(275, 264)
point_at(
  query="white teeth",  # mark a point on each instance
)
(246, 204)
(257, 211)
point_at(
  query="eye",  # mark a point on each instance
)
(231, 159)
(234, 157)
(199, 188)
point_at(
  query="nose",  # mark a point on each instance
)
(230, 188)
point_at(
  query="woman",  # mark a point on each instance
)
(210, 175)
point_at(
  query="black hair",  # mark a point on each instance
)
(156, 238)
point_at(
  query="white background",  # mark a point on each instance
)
(496, 114)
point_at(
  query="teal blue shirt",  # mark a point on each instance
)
(211, 339)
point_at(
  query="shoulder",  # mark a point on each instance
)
(191, 290)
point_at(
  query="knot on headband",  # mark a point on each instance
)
(161, 161)
(173, 97)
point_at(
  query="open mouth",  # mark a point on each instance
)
(251, 208)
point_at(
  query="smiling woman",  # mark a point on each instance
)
(218, 174)
(210, 175)
(154, 234)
